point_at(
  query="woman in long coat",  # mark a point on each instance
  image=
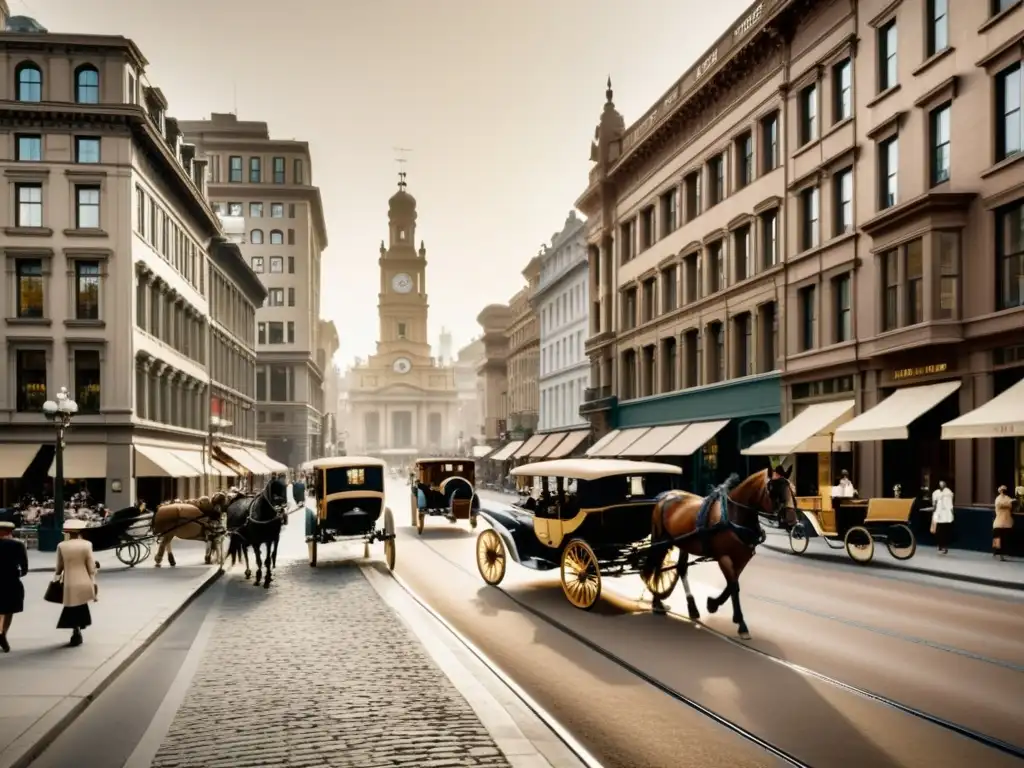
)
(77, 564)
(13, 565)
(1003, 524)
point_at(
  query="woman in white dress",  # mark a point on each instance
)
(942, 516)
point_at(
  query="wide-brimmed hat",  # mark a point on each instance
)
(6, 525)
(73, 526)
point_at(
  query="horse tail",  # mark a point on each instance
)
(234, 547)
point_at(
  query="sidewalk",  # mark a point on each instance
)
(46, 685)
(958, 565)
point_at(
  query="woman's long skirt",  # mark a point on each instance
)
(12, 597)
(943, 535)
(77, 617)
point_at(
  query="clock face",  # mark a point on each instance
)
(401, 283)
(402, 365)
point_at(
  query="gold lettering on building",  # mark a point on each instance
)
(752, 18)
(923, 370)
(707, 64)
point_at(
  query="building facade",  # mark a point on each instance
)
(470, 419)
(492, 371)
(524, 355)
(119, 282)
(269, 183)
(328, 344)
(561, 303)
(402, 402)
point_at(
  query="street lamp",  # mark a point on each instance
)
(59, 411)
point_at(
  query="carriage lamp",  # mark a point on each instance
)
(60, 410)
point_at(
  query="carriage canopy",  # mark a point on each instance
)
(349, 474)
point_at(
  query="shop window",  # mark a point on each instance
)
(87, 380)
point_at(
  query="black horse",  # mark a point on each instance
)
(253, 521)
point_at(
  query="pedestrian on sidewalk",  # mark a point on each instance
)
(77, 565)
(1003, 523)
(942, 516)
(13, 565)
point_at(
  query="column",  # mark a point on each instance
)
(158, 391)
(144, 366)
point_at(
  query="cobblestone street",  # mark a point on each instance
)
(319, 671)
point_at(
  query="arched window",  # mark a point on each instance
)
(276, 237)
(29, 79)
(256, 237)
(87, 84)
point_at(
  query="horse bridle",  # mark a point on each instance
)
(765, 495)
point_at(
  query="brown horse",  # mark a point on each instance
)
(724, 527)
(199, 519)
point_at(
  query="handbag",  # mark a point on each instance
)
(55, 591)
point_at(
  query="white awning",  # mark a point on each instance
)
(549, 444)
(506, 451)
(82, 461)
(810, 431)
(692, 438)
(653, 441)
(1002, 416)
(217, 468)
(572, 441)
(15, 458)
(529, 447)
(890, 418)
(479, 451)
(622, 441)
(600, 444)
(271, 465)
(153, 461)
(202, 465)
(242, 458)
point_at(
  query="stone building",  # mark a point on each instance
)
(524, 355)
(492, 371)
(470, 419)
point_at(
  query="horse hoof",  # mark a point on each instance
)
(744, 634)
(691, 607)
(712, 606)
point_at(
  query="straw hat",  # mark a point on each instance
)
(73, 526)
(7, 526)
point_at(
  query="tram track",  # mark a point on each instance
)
(983, 739)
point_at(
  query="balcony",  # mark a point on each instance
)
(597, 399)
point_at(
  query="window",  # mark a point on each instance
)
(291, 210)
(1010, 254)
(291, 265)
(741, 253)
(887, 43)
(808, 114)
(691, 361)
(648, 307)
(842, 289)
(947, 249)
(31, 379)
(770, 142)
(29, 79)
(842, 182)
(647, 227)
(810, 215)
(291, 237)
(261, 338)
(998, 6)
(291, 297)
(30, 205)
(279, 170)
(692, 184)
(808, 317)
(355, 476)
(255, 210)
(235, 169)
(891, 307)
(87, 290)
(291, 332)
(87, 207)
(257, 265)
(1009, 126)
(715, 267)
(842, 88)
(669, 211)
(669, 300)
(938, 26)
(87, 85)
(255, 170)
(256, 237)
(691, 277)
(28, 149)
(744, 160)
(401, 331)
(297, 172)
(276, 265)
(29, 277)
(939, 138)
(627, 241)
(770, 238)
(744, 345)
(87, 380)
(275, 297)
(716, 179)
(276, 237)
(234, 209)
(629, 314)
(279, 383)
(87, 149)
(888, 172)
(276, 334)
(277, 210)
(915, 282)
(718, 342)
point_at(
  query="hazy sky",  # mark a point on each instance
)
(498, 99)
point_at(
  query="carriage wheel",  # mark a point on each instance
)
(798, 539)
(389, 544)
(420, 520)
(490, 557)
(859, 544)
(900, 542)
(128, 553)
(664, 579)
(312, 551)
(581, 575)
(145, 550)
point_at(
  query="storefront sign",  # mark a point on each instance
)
(922, 370)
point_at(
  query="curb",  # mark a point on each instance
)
(882, 565)
(33, 742)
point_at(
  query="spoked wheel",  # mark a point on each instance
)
(900, 542)
(129, 554)
(859, 544)
(490, 557)
(389, 544)
(312, 552)
(798, 539)
(581, 575)
(664, 580)
(144, 552)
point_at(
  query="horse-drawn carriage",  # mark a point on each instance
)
(855, 524)
(349, 503)
(128, 531)
(444, 488)
(588, 517)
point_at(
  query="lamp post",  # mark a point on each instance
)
(59, 411)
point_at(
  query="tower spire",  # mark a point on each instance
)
(401, 180)
(608, 91)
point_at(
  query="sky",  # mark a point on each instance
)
(496, 99)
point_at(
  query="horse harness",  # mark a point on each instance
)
(704, 529)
